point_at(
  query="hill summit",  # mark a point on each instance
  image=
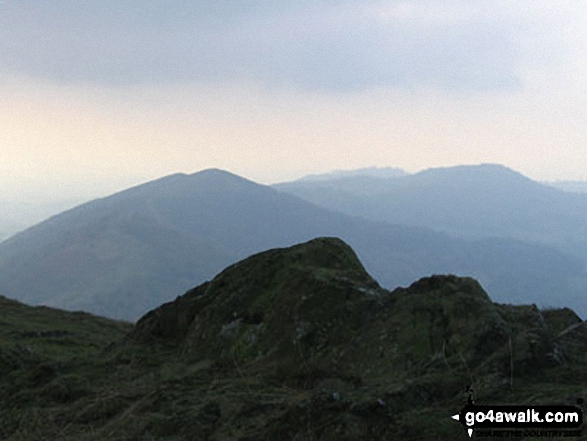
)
(310, 317)
(291, 343)
(271, 305)
(314, 306)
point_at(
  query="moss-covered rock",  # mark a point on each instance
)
(296, 343)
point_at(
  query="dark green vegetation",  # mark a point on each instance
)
(290, 344)
(125, 254)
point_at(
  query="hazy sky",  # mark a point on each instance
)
(99, 95)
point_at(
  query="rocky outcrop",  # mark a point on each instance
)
(293, 343)
(311, 312)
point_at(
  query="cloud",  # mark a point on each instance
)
(100, 92)
(329, 46)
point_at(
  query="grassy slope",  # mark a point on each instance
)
(55, 334)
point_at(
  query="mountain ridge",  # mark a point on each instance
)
(122, 255)
(465, 201)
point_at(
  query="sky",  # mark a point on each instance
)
(96, 96)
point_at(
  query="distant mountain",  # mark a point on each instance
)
(572, 186)
(298, 343)
(370, 172)
(466, 201)
(124, 254)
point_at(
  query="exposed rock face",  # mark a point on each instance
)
(313, 310)
(558, 320)
(282, 304)
(574, 340)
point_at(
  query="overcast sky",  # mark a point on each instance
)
(99, 95)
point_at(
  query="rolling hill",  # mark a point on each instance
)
(465, 201)
(122, 255)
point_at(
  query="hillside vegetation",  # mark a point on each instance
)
(298, 343)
